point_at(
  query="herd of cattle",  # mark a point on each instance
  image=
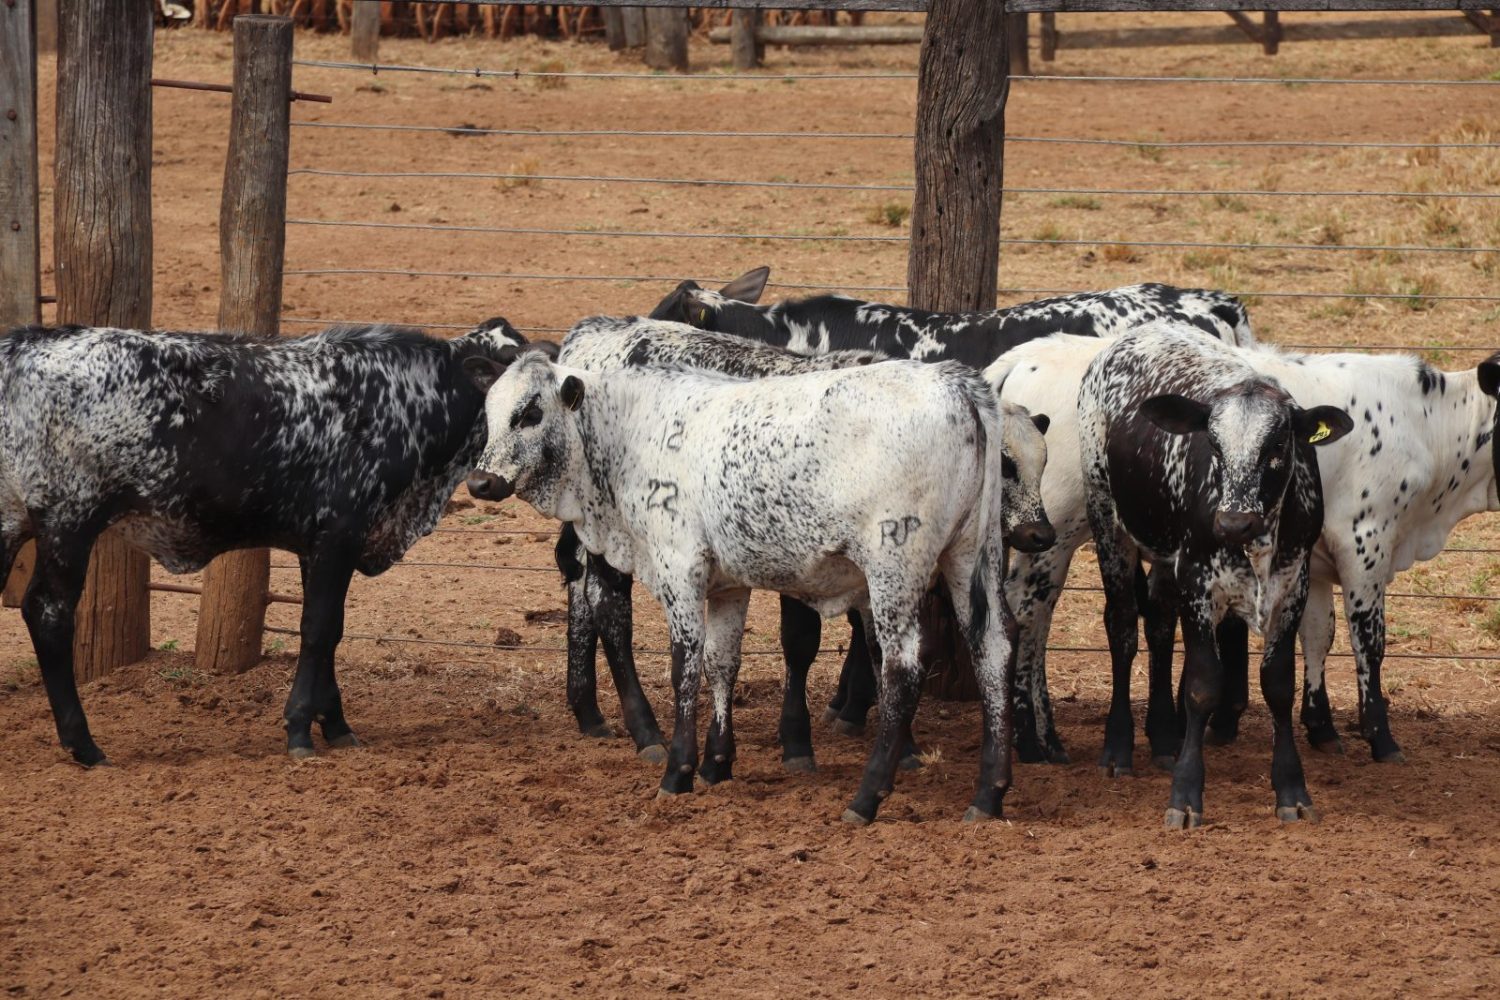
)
(844, 454)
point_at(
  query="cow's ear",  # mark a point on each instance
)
(482, 371)
(1042, 422)
(674, 306)
(1175, 414)
(1489, 376)
(1321, 424)
(748, 287)
(571, 392)
(546, 347)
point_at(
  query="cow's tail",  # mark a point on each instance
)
(991, 555)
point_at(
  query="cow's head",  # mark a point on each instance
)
(731, 309)
(496, 333)
(528, 411)
(1253, 429)
(1489, 384)
(1023, 457)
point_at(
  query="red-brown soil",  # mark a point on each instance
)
(477, 846)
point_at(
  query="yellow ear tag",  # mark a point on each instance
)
(1322, 432)
(703, 315)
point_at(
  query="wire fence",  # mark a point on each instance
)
(753, 139)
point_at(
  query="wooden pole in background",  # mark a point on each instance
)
(748, 51)
(365, 31)
(252, 251)
(953, 265)
(46, 25)
(667, 38)
(635, 26)
(20, 224)
(102, 240)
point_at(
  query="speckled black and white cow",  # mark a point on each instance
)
(846, 488)
(342, 447)
(1195, 460)
(1417, 462)
(599, 605)
(834, 322)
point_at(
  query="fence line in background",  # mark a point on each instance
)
(518, 74)
(821, 186)
(740, 134)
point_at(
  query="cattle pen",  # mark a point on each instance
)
(1349, 195)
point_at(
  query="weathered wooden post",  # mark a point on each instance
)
(364, 31)
(1049, 37)
(20, 225)
(46, 25)
(747, 50)
(667, 38)
(1019, 31)
(635, 26)
(614, 28)
(102, 245)
(962, 83)
(252, 245)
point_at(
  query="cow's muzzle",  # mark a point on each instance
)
(1235, 527)
(488, 486)
(1033, 536)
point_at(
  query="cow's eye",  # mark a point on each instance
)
(529, 417)
(1008, 468)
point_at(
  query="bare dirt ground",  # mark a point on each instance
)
(478, 847)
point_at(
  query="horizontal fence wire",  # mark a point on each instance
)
(821, 186)
(520, 74)
(847, 238)
(459, 130)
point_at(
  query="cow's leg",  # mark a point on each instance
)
(894, 613)
(857, 679)
(1278, 683)
(1117, 568)
(1033, 587)
(1158, 594)
(315, 691)
(686, 625)
(801, 634)
(721, 666)
(1202, 688)
(991, 631)
(1233, 640)
(609, 596)
(1317, 638)
(841, 693)
(1364, 606)
(583, 646)
(49, 607)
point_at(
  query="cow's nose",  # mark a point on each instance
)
(1234, 527)
(1033, 536)
(488, 486)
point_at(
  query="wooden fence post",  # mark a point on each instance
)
(1020, 56)
(45, 18)
(252, 251)
(614, 28)
(1049, 37)
(20, 225)
(102, 244)
(364, 31)
(747, 50)
(667, 38)
(635, 26)
(963, 79)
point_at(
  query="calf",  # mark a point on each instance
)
(849, 488)
(599, 597)
(834, 322)
(1394, 488)
(341, 447)
(1195, 460)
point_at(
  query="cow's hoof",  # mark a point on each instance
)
(830, 715)
(599, 731)
(911, 762)
(663, 795)
(653, 754)
(1220, 738)
(1057, 755)
(89, 756)
(300, 753)
(1183, 819)
(716, 772)
(1029, 753)
(855, 819)
(1297, 813)
(1391, 756)
(1164, 762)
(846, 728)
(348, 741)
(1114, 769)
(800, 765)
(1326, 744)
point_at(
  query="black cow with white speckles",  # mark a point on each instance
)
(341, 447)
(1195, 460)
